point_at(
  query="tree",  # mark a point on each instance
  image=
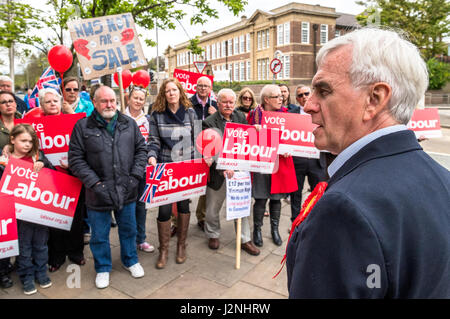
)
(439, 73)
(426, 22)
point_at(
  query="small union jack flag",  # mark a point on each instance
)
(150, 189)
(48, 79)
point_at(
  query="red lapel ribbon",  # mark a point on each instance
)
(307, 207)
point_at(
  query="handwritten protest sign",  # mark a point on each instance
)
(239, 195)
(9, 244)
(54, 134)
(296, 135)
(171, 182)
(106, 44)
(189, 79)
(426, 123)
(47, 198)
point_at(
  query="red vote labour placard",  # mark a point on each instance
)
(54, 133)
(296, 137)
(172, 182)
(425, 123)
(47, 198)
(246, 149)
(189, 80)
(9, 244)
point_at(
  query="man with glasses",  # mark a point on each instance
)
(73, 103)
(203, 106)
(312, 168)
(6, 85)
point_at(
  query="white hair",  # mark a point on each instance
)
(267, 90)
(5, 78)
(205, 78)
(45, 91)
(224, 92)
(385, 56)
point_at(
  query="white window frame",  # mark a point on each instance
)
(287, 66)
(230, 47)
(224, 48)
(236, 72)
(208, 53)
(323, 33)
(248, 42)
(280, 34)
(305, 31)
(267, 38)
(213, 51)
(263, 39)
(218, 49)
(236, 45)
(259, 69)
(248, 70)
(287, 33)
(259, 40)
(242, 44)
(242, 72)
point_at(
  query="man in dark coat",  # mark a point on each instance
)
(6, 84)
(381, 229)
(108, 154)
(216, 189)
(203, 106)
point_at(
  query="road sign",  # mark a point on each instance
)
(276, 66)
(200, 66)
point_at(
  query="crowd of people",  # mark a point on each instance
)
(371, 213)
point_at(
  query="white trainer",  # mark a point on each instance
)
(102, 280)
(136, 270)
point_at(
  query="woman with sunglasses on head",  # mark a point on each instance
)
(246, 101)
(134, 109)
(73, 103)
(8, 112)
(171, 125)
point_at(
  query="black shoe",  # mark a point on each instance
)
(5, 281)
(276, 236)
(257, 237)
(201, 224)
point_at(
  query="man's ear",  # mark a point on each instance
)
(378, 98)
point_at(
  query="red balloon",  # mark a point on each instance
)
(126, 78)
(141, 78)
(60, 58)
(36, 112)
(209, 142)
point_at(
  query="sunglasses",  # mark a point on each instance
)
(247, 98)
(71, 89)
(301, 94)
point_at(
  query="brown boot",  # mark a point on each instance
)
(183, 225)
(164, 238)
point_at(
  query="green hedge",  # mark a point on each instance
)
(237, 86)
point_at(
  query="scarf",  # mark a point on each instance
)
(111, 126)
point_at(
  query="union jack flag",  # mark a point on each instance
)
(48, 79)
(150, 189)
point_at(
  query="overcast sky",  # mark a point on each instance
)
(173, 37)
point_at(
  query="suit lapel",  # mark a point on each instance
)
(387, 145)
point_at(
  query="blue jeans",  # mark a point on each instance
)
(100, 222)
(141, 214)
(33, 251)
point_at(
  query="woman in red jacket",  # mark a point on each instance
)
(270, 186)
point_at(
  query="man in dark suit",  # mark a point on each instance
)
(203, 106)
(381, 229)
(216, 188)
(312, 168)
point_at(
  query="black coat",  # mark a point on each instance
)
(117, 163)
(216, 177)
(381, 230)
(200, 111)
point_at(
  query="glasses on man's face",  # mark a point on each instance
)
(247, 98)
(71, 89)
(276, 97)
(202, 86)
(300, 95)
(6, 102)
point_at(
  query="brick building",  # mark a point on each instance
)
(294, 32)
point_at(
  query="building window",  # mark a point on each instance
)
(280, 37)
(248, 70)
(242, 46)
(267, 38)
(208, 53)
(218, 50)
(213, 51)
(305, 32)
(248, 42)
(242, 71)
(323, 33)
(236, 45)
(259, 40)
(224, 48)
(236, 71)
(263, 39)
(337, 33)
(287, 33)
(287, 66)
(230, 47)
(259, 69)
